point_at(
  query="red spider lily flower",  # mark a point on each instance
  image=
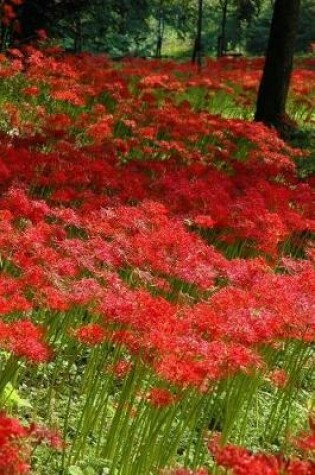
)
(120, 369)
(68, 96)
(102, 129)
(91, 334)
(185, 471)
(31, 91)
(25, 340)
(43, 434)
(8, 13)
(161, 397)
(20, 205)
(16, 441)
(242, 461)
(14, 454)
(204, 221)
(14, 51)
(279, 378)
(4, 172)
(306, 440)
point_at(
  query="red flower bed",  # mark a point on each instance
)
(130, 218)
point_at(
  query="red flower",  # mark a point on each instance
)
(160, 397)
(91, 334)
(14, 454)
(278, 377)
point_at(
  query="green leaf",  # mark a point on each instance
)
(12, 397)
(75, 470)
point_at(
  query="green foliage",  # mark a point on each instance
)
(12, 397)
(258, 30)
(130, 27)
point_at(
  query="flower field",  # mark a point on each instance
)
(157, 281)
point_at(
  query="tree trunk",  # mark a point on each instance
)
(222, 36)
(160, 32)
(197, 52)
(78, 40)
(274, 86)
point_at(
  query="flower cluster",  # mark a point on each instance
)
(13, 452)
(242, 461)
(16, 441)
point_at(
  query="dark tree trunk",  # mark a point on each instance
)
(160, 32)
(274, 86)
(222, 36)
(78, 40)
(197, 51)
(4, 37)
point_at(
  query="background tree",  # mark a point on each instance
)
(274, 86)
(197, 50)
(222, 43)
(34, 15)
(171, 13)
(259, 27)
(160, 14)
(116, 27)
(153, 28)
(240, 12)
